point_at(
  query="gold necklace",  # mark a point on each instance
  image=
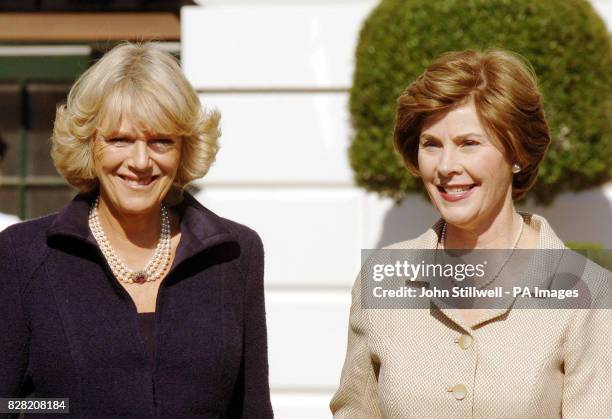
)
(516, 240)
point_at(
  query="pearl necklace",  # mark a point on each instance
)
(516, 240)
(156, 266)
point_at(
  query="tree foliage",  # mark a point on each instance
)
(566, 42)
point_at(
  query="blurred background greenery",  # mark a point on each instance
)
(565, 41)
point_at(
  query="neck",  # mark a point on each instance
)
(499, 232)
(142, 230)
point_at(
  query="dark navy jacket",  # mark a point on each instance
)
(69, 329)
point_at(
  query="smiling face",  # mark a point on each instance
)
(135, 168)
(467, 177)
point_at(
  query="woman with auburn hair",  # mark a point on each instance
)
(472, 127)
(135, 300)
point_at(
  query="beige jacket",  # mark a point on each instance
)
(512, 363)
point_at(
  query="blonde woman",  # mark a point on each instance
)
(472, 127)
(135, 300)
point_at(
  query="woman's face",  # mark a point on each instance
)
(136, 169)
(467, 177)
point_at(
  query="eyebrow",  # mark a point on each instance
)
(126, 136)
(458, 137)
(121, 135)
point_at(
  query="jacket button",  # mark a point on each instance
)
(458, 390)
(465, 341)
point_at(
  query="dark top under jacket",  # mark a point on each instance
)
(146, 325)
(69, 329)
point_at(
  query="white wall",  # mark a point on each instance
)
(279, 72)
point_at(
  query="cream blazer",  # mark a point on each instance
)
(511, 363)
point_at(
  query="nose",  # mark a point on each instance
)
(140, 159)
(449, 163)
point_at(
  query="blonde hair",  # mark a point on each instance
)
(146, 85)
(505, 94)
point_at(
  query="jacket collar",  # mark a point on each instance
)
(72, 220)
(547, 260)
(547, 239)
(200, 227)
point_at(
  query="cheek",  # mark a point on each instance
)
(172, 164)
(491, 164)
(426, 166)
(107, 161)
(497, 171)
(106, 158)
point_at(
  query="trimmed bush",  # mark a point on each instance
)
(566, 42)
(593, 251)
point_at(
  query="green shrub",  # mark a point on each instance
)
(594, 252)
(566, 42)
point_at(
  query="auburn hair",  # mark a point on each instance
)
(504, 90)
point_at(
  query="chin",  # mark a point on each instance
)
(135, 206)
(458, 217)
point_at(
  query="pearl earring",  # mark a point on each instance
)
(516, 168)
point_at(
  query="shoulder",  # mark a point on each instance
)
(27, 234)
(251, 259)
(427, 240)
(547, 238)
(598, 281)
(250, 242)
(208, 223)
(24, 245)
(241, 232)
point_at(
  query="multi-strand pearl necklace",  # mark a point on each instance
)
(516, 240)
(156, 266)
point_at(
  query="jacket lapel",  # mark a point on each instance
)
(201, 229)
(542, 261)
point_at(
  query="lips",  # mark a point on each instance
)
(456, 192)
(138, 183)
